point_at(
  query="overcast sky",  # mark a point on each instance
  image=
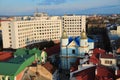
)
(59, 7)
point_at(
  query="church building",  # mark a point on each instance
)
(73, 48)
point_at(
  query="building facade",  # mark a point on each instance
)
(73, 48)
(74, 24)
(22, 32)
(118, 29)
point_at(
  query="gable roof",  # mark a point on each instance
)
(12, 68)
(85, 74)
(72, 44)
(108, 56)
(73, 41)
(77, 40)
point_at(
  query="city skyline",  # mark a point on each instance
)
(59, 7)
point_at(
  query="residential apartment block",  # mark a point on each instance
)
(74, 24)
(22, 31)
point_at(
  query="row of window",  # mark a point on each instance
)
(47, 27)
(72, 22)
(72, 19)
(21, 44)
(72, 26)
(25, 29)
(40, 22)
(31, 25)
(108, 62)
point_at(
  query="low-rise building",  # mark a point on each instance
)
(14, 68)
(108, 60)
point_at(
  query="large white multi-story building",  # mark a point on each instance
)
(22, 31)
(74, 24)
(28, 30)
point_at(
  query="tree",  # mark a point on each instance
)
(20, 52)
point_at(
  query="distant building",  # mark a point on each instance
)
(23, 31)
(96, 21)
(74, 24)
(73, 48)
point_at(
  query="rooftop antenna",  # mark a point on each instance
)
(37, 10)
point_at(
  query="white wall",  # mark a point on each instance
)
(30, 31)
(5, 34)
(74, 24)
(103, 61)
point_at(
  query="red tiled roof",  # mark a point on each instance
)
(98, 50)
(105, 72)
(107, 56)
(5, 56)
(53, 50)
(94, 59)
(4, 20)
(49, 67)
(87, 74)
(95, 56)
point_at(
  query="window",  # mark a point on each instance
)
(73, 51)
(9, 34)
(108, 62)
(9, 30)
(8, 78)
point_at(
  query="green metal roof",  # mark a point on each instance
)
(8, 68)
(15, 65)
(19, 59)
(12, 69)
